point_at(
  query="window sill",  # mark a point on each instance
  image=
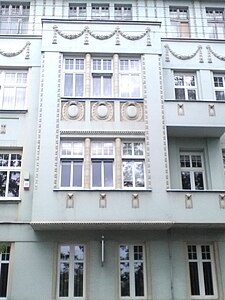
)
(194, 101)
(195, 191)
(101, 190)
(10, 200)
(13, 111)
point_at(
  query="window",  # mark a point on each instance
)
(14, 18)
(132, 271)
(219, 84)
(130, 78)
(71, 271)
(4, 269)
(101, 77)
(100, 11)
(102, 164)
(216, 23)
(10, 173)
(192, 171)
(179, 21)
(202, 271)
(133, 164)
(74, 77)
(13, 86)
(78, 10)
(185, 87)
(123, 11)
(71, 164)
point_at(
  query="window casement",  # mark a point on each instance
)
(123, 12)
(202, 271)
(100, 11)
(78, 11)
(192, 171)
(219, 85)
(130, 78)
(132, 271)
(4, 269)
(13, 89)
(215, 23)
(73, 77)
(10, 174)
(179, 21)
(185, 86)
(71, 160)
(71, 271)
(102, 77)
(14, 17)
(102, 164)
(133, 164)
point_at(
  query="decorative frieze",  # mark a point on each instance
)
(16, 53)
(183, 57)
(210, 51)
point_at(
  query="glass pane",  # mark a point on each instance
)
(138, 149)
(107, 86)
(108, 148)
(68, 85)
(193, 269)
(220, 95)
(139, 174)
(79, 85)
(179, 80)
(3, 177)
(184, 29)
(218, 81)
(139, 279)
(69, 64)
(3, 279)
(199, 185)
(196, 161)
(185, 161)
(65, 173)
(127, 148)
(191, 94)
(79, 252)
(20, 98)
(124, 252)
(96, 174)
(8, 98)
(15, 160)
(127, 174)
(135, 86)
(190, 80)
(78, 279)
(108, 174)
(96, 86)
(186, 180)
(14, 183)
(77, 173)
(207, 271)
(124, 85)
(138, 253)
(179, 94)
(4, 160)
(125, 279)
(64, 280)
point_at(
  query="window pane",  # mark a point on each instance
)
(124, 252)
(107, 86)
(220, 95)
(139, 279)
(77, 174)
(135, 86)
(127, 148)
(125, 279)
(124, 85)
(139, 174)
(179, 80)
(68, 85)
(191, 94)
(96, 86)
(20, 98)
(4, 268)
(4, 160)
(207, 271)
(96, 174)
(108, 174)
(193, 269)
(127, 174)
(8, 98)
(79, 85)
(78, 279)
(65, 174)
(14, 183)
(138, 149)
(3, 177)
(199, 185)
(186, 180)
(64, 280)
(179, 94)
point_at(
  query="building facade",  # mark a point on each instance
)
(112, 150)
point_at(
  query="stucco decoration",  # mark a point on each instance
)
(73, 110)
(212, 111)
(222, 201)
(188, 201)
(210, 51)
(180, 109)
(132, 111)
(16, 53)
(3, 129)
(87, 32)
(102, 111)
(69, 200)
(183, 57)
(135, 200)
(102, 200)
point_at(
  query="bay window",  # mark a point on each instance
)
(185, 86)
(4, 270)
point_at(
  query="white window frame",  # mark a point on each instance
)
(130, 68)
(103, 70)
(220, 89)
(71, 262)
(123, 12)
(134, 159)
(78, 10)
(102, 9)
(179, 19)
(20, 20)
(74, 67)
(71, 157)
(14, 86)
(192, 170)
(13, 156)
(197, 257)
(102, 157)
(131, 261)
(4, 260)
(186, 87)
(215, 22)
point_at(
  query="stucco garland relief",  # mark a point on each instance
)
(102, 110)
(183, 57)
(132, 111)
(15, 53)
(73, 110)
(87, 32)
(210, 51)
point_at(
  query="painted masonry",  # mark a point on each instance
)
(112, 150)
